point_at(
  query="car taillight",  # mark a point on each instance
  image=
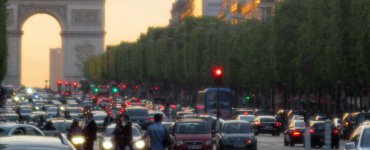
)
(312, 131)
(336, 132)
(296, 133)
(249, 141)
(246, 113)
(151, 119)
(259, 124)
(278, 124)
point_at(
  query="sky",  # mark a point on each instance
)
(125, 20)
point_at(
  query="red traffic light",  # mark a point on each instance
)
(124, 86)
(59, 82)
(66, 83)
(155, 88)
(136, 87)
(74, 84)
(217, 72)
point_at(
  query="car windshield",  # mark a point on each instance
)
(300, 124)
(11, 118)
(52, 109)
(319, 126)
(26, 111)
(74, 110)
(365, 142)
(137, 112)
(62, 126)
(267, 119)
(193, 128)
(236, 128)
(99, 117)
(109, 132)
(247, 118)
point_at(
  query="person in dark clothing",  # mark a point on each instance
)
(49, 126)
(118, 134)
(74, 130)
(127, 132)
(108, 120)
(90, 133)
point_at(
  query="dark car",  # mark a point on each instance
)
(295, 133)
(35, 143)
(317, 130)
(266, 125)
(138, 115)
(192, 134)
(236, 134)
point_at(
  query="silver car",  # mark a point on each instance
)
(359, 139)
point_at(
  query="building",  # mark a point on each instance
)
(199, 8)
(234, 11)
(56, 66)
(178, 8)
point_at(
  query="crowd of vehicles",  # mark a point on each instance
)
(190, 127)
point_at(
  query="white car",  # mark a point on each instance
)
(359, 139)
(9, 129)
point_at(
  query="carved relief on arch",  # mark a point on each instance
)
(57, 11)
(86, 17)
(9, 17)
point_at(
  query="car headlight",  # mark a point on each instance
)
(140, 144)
(107, 145)
(208, 142)
(179, 142)
(78, 140)
(62, 108)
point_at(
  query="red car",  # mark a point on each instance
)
(191, 134)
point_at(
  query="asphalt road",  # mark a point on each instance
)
(268, 142)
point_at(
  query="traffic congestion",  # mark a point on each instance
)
(104, 119)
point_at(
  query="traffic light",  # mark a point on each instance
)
(114, 90)
(247, 98)
(74, 84)
(156, 88)
(218, 73)
(96, 90)
(66, 83)
(59, 82)
(124, 86)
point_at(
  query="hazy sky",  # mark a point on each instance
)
(125, 20)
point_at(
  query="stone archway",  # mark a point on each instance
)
(82, 23)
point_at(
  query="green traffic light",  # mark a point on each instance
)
(247, 98)
(115, 90)
(96, 90)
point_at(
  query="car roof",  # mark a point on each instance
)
(32, 142)
(136, 107)
(236, 121)
(266, 117)
(191, 120)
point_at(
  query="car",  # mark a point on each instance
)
(295, 133)
(74, 112)
(181, 114)
(10, 117)
(359, 139)
(61, 125)
(248, 118)
(317, 130)
(191, 134)
(243, 111)
(106, 139)
(52, 111)
(266, 125)
(236, 134)
(263, 112)
(9, 129)
(35, 143)
(138, 115)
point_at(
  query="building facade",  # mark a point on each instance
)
(200, 8)
(234, 11)
(56, 66)
(178, 8)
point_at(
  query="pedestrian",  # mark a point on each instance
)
(157, 133)
(108, 120)
(74, 130)
(49, 126)
(127, 132)
(118, 134)
(90, 132)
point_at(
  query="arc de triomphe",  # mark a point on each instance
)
(82, 24)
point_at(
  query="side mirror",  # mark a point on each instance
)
(350, 146)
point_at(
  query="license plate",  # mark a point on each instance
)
(268, 127)
(239, 145)
(194, 147)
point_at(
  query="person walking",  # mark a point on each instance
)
(127, 132)
(90, 132)
(157, 133)
(118, 134)
(108, 120)
(74, 130)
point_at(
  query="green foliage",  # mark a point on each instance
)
(3, 43)
(308, 44)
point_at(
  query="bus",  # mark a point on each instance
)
(209, 99)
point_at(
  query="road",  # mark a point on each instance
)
(268, 142)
